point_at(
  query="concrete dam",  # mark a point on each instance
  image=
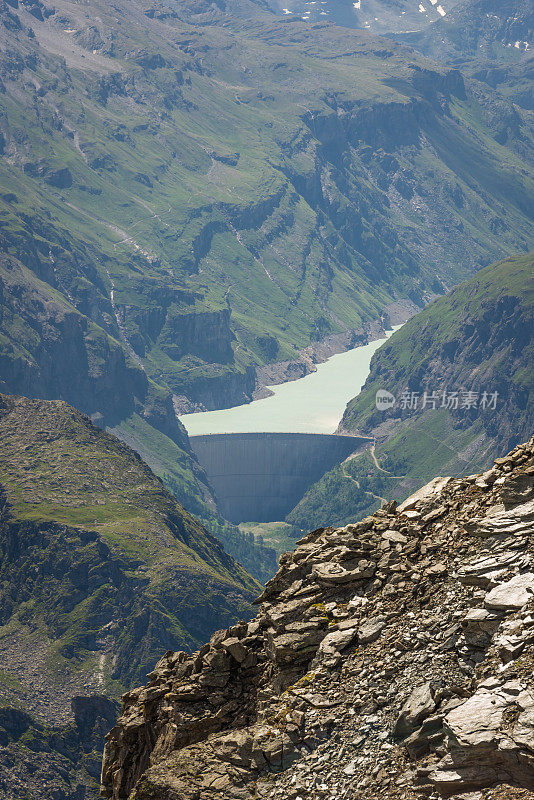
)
(260, 477)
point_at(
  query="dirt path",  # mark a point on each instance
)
(377, 465)
(350, 478)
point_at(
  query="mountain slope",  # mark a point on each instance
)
(390, 658)
(379, 16)
(51, 350)
(481, 30)
(479, 338)
(488, 40)
(106, 547)
(216, 192)
(101, 571)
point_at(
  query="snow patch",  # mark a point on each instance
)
(422, 9)
(441, 11)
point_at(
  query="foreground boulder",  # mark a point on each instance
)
(390, 658)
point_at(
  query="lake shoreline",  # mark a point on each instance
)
(396, 313)
(279, 372)
(313, 404)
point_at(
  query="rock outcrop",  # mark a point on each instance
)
(389, 658)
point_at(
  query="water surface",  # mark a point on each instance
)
(313, 404)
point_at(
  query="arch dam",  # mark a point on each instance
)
(260, 477)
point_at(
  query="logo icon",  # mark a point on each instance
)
(384, 400)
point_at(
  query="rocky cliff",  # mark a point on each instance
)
(389, 658)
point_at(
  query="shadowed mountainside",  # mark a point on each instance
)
(101, 571)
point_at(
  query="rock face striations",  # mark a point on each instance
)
(389, 658)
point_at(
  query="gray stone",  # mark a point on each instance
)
(236, 649)
(500, 522)
(336, 641)
(417, 707)
(394, 536)
(371, 630)
(425, 495)
(489, 571)
(476, 722)
(512, 595)
(517, 489)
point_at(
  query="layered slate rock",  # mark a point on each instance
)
(391, 658)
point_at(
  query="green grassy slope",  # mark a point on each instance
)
(102, 546)
(198, 185)
(480, 329)
(478, 338)
(101, 571)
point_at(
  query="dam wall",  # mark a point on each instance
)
(260, 477)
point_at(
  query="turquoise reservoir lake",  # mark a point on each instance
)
(313, 404)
